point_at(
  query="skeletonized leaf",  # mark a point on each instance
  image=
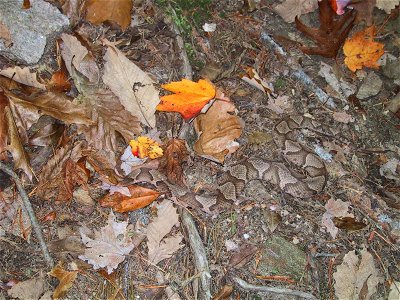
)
(160, 248)
(134, 88)
(109, 247)
(66, 280)
(218, 129)
(354, 274)
(23, 75)
(117, 11)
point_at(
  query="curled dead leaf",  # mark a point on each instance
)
(218, 129)
(139, 198)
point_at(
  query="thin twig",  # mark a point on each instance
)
(297, 71)
(28, 209)
(271, 290)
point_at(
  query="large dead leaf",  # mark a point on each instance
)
(175, 155)
(362, 51)
(75, 54)
(289, 9)
(139, 197)
(218, 129)
(30, 289)
(109, 247)
(23, 75)
(356, 278)
(66, 280)
(134, 88)
(110, 118)
(332, 31)
(117, 11)
(159, 247)
(189, 98)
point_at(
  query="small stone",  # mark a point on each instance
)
(392, 69)
(370, 86)
(29, 28)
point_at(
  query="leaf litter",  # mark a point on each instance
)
(113, 100)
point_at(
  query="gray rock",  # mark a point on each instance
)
(29, 28)
(392, 69)
(370, 86)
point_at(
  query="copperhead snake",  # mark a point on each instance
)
(309, 178)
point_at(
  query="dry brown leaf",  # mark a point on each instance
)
(3, 124)
(134, 88)
(23, 75)
(117, 11)
(102, 164)
(174, 156)
(72, 9)
(289, 9)
(110, 118)
(21, 159)
(30, 289)
(334, 208)
(73, 174)
(353, 274)
(109, 247)
(76, 55)
(139, 197)
(218, 129)
(59, 82)
(66, 280)
(50, 178)
(159, 247)
(5, 35)
(13, 219)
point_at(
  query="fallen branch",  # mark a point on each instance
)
(270, 290)
(297, 72)
(28, 209)
(199, 252)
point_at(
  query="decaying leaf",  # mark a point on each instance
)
(348, 223)
(362, 51)
(73, 174)
(117, 11)
(342, 117)
(3, 125)
(331, 33)
(5, 35)
(30, 289)
(289, 9)
(23, 75)
(66, 280)
(175, 155)
(159, 247)
(134, 88)
(356, 278)
(189, 98)
(76, 55)
(59, 82)
(253, 78)
(387, 5)
(103, 164)
(334, 208)
(72, 9)
(139, 197)
(144, 146)
(109, 247)
(218, 129)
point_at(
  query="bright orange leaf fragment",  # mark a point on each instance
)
(189, 98)
(139, 198)
(362, 51)
(144, 147)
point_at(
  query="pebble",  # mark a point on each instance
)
(29, 28)
(370, 86)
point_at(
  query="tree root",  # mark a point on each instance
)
(270, 290)
(297, 71)
(28, 209)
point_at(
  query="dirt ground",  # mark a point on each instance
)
(271, 233)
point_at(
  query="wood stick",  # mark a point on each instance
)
(28, 209)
